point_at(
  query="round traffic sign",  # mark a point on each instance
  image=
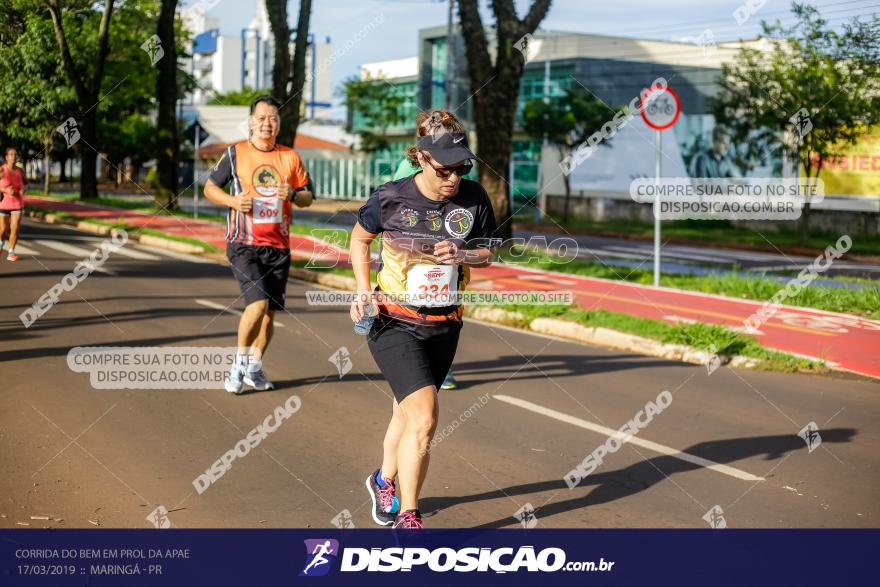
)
(663, 107)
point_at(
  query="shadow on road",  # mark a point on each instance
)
(614, 485)
(62, 351)
(511, 367)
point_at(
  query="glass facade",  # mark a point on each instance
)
(408, 92)
(532, 85)
(438, 72)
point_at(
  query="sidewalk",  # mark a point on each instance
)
(850, 342)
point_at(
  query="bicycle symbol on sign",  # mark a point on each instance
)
(662, 105)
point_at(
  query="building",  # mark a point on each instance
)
(615, 70)
(230, 63)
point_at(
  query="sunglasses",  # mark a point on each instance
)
(445, 172)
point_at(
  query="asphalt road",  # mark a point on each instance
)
(85, 457)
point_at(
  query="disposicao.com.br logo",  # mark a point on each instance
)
(322, 552)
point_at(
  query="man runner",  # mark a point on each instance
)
(265, 177)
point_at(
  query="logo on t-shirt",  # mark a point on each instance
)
(410, 217)
(434, 219)
(459, 222)
(266, 180)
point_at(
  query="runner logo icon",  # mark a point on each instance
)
(434, 219)
(266, 180)
(459, 222)
(320, 554)
(410, 217)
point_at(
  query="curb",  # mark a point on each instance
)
(326, 279)
(615, 339)
(595, 336)
(103, 229)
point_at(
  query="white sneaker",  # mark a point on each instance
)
(234, 382)
(256, 378)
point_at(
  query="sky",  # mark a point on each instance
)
(396, 35)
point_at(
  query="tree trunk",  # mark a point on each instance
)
(88, 180)
(288, 75)
(47, 162)
(277, 12)
(495, 88)
(567, 185)
(494, 126)
(87, 91)
(298, 76)
(166, 96)
(62, 162)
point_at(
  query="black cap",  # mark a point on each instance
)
(446, 148)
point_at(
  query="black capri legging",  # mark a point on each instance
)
(410, 362)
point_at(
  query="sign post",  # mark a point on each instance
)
(196, 176)
(197, 134)
(660, 110)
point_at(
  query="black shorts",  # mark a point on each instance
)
(261, 272)
(410, 362)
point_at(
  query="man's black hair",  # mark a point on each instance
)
(268, 100)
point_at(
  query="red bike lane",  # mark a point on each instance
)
(849, 342)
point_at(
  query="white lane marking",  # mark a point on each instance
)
(646, 444)
(23, 249)
(133, 253)
(222, 308)
(83, 254)
(174, 255)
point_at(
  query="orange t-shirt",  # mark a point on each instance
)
(263, 175)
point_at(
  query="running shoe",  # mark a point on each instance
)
(12, 257)
(408, 520)
(449, 382)
(385, 503)
(234, 382)
(256, 378)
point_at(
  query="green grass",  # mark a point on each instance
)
(711, 231)
(708, 337)
(863, 301)
(131, 229)
(345, 271)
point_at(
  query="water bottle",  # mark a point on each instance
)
(363, 326)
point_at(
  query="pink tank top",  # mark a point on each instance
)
(11, 178)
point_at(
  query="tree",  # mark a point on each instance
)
(566, 121)
(166, 98)
(86, 78)
(35, 93)
(289, 75)
(373, 106)
(237, 97)
(495, 84)
(832, 76)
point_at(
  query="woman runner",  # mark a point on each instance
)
(425, 122)
(12, 188)
(434, 226)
